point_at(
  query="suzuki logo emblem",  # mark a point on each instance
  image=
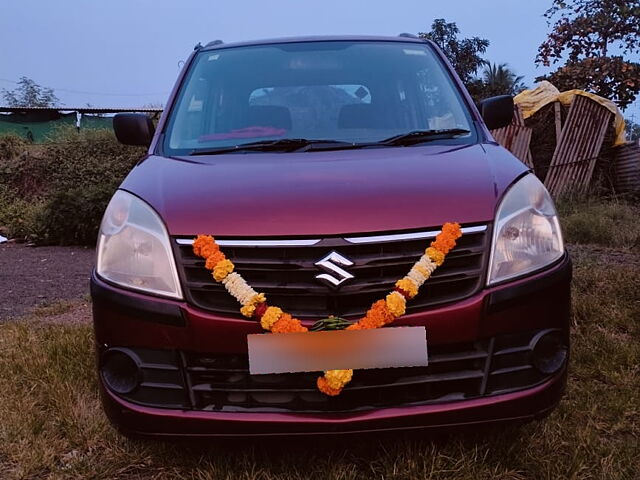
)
(332, 264)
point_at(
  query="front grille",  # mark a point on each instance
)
(286, 274)
(222, 383)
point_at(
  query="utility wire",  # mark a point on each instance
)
(95, 93)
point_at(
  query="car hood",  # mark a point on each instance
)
(325, 193)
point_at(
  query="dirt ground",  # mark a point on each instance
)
(31, 277)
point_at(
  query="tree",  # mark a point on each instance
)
(595, 36)
(498, 79)
(632, 130)
(464, 54)
(29, 94)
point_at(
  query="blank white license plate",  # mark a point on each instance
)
(335, 350)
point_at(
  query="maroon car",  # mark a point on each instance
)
(323, 167)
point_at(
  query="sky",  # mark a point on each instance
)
(128, 53)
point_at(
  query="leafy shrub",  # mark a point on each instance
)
(72, 217)
(11, 145)
(56, 192)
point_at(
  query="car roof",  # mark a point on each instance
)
(404, 38)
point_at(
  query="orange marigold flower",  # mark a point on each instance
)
(452, 229)
(205, 246)
(407, 285)
(435, 255)
(208, 250)
(288, 324)
(213, 259)
(324, 387)
(446, 239)
(222, 269)
(202, 241)
(443, 243)
(377, 316)
(396, 304)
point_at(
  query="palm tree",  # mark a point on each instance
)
(498, 79)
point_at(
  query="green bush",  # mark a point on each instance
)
(72, 217)
(56, 192)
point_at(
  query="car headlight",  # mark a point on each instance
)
(134, 250)
(527, 233)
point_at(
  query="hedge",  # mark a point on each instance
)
(55, 193)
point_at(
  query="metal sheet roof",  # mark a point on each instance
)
(80, 109)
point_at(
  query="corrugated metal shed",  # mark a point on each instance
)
(579, 146)
(79, 109)
(516, 138)
(627, 168)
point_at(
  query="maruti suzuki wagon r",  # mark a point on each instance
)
(323, 167)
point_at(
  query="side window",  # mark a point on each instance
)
(190, 120)
(438, 105)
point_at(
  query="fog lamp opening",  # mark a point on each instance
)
(550, 352)
(120, 370)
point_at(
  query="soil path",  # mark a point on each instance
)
(33, 276)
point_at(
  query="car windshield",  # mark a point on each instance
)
(340, 92)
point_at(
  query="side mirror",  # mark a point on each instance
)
(497, 112)
(133, 128)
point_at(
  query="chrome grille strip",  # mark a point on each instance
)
(314, 241)
(408, 236)
(257, 243)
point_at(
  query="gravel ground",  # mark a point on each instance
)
(36, 276)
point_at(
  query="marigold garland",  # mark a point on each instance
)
(382, 312)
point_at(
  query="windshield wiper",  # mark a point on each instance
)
(417, 136)
(283, 144)
(305, 144)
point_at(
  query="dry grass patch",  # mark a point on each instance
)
(65, 312)
(599, 222)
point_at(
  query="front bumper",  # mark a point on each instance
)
(538, 303)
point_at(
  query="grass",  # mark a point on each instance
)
(599, 221)
(51, 425)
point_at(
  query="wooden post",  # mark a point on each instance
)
(558, 118)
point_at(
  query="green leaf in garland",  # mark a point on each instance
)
(330, 323)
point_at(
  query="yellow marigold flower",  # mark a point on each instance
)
(248, 310)
(396, 304)
(337, 379)
(435, 255)
(257, 298)
(249, 307)
(271, 316)
(408, 286)
(222, 269)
